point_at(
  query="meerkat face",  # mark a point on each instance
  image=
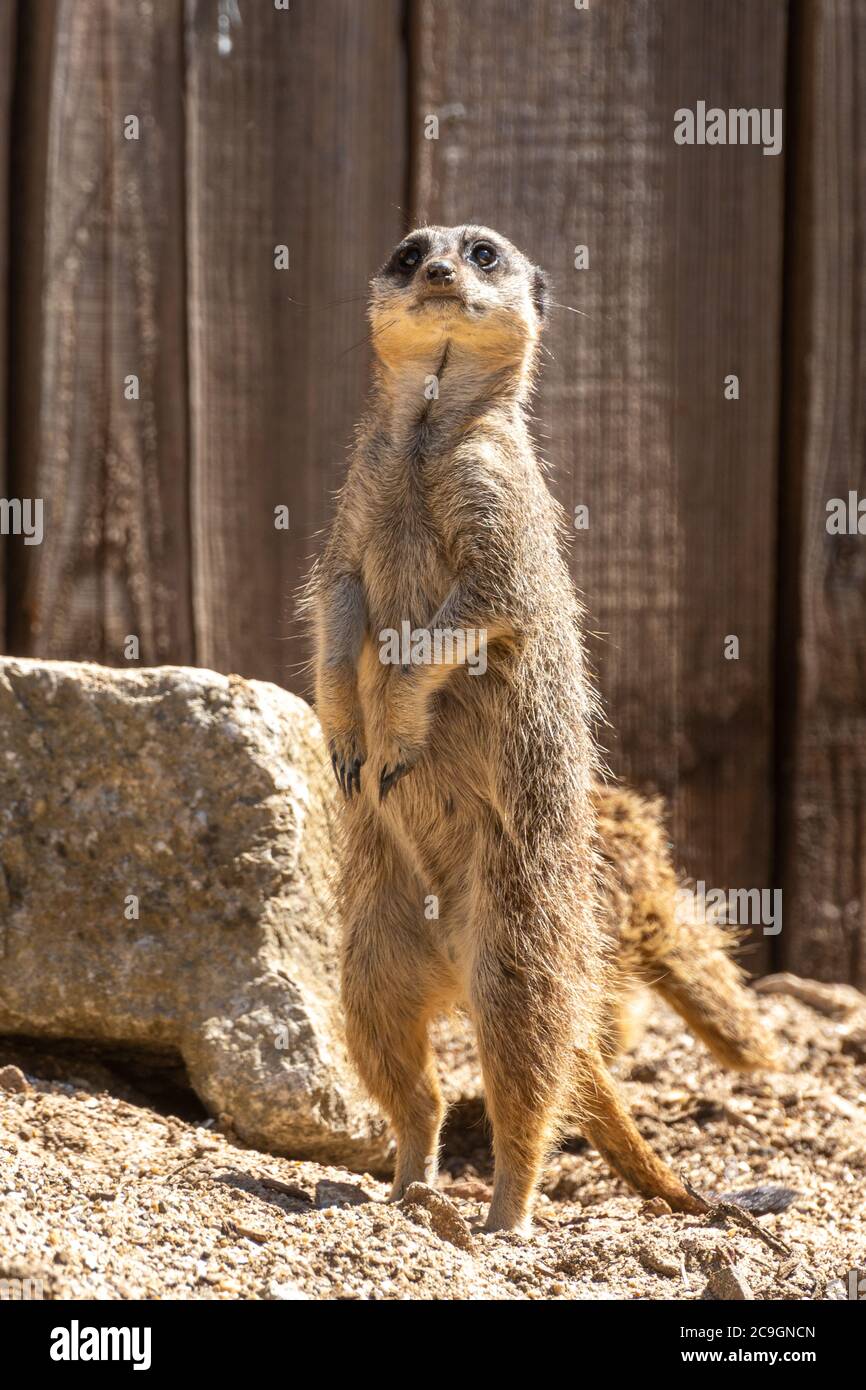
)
(462, 285)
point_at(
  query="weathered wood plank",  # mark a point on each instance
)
(7, 69)
(556, 125)
(297, 138)
(101, 299)
(823, 628)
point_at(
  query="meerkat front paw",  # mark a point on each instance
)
(395, 769)
(407, 725)
(348, 756)
(400, 756)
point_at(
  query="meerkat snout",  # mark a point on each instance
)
(441, 273)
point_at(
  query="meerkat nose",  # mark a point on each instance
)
(440, 272)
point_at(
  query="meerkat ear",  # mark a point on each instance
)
(541, 292)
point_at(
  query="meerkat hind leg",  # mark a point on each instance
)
(392, 987)
(524, 1111)
(525, 1069)
(387, 1033)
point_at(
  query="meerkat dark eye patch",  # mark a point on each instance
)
(484, 255)
(407, 258)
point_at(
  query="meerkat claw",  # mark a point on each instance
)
(334, 766)
(347, 773)
(389, 777)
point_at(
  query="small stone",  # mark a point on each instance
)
(854, 1044)
(727, 1282)
(286, 1291)
(659, 1263)
(13, 1079)
(443, 1218)
(655, 1206)
(473, 1189)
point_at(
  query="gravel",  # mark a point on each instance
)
(108, 1193)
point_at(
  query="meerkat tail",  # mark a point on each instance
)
(660, 939)
(611, 1129)
(696, 975)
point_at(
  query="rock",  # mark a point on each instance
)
(473, 1189)
(716, 1259)
(13, 1079)
(854, 1043)
(728, 1282)
(433, 1210)
(655, 1206)
(834, 1001)
(658, 1260)
(287, 1291)
(165, 860)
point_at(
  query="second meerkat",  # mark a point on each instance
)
(467, 791)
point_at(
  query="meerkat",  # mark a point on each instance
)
(468, 867)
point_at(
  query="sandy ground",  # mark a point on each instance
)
(102, 1196)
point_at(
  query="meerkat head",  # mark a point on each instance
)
(465, 286)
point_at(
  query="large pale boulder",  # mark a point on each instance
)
(165, 862)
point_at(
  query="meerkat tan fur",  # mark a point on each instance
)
(469, 870)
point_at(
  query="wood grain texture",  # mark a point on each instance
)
(296, 138)
(7, 72)
(100, 221)
(556, 126)
(262, 127)
(823, 629)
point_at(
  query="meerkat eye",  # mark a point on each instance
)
(409, 258)
(484, 255)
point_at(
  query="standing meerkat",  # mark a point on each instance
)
(452, 691)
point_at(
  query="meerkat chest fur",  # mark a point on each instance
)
(406, 566)
(432, 460)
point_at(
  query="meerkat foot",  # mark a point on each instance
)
(425, 1170)
(493, 1227)
(513, 1191)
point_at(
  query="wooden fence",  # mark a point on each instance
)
(308, 127)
